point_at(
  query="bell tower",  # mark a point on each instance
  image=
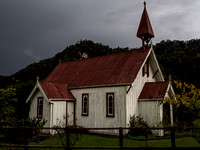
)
(145, 31)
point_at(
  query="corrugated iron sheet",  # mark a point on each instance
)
(56, 91)
(120, 68)
(154, 90)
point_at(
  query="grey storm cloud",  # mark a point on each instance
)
(31, 30)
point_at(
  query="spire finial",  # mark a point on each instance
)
(145, 4)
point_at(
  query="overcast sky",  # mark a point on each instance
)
(31, 30)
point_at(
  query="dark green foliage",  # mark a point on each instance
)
(17, 135)
(186, 103)
(184, 117)
(181, 59)
(138, 126)
(13, 102)
(8, 101)
(75, 52)
(197, 123)
(32, 122)
(22, 92)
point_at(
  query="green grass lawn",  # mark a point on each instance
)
(112, 141)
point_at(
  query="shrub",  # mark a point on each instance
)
(17, 135)
(197, 123)
(138, 126)
(66, 134)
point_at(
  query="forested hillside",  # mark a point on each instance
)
(181, 59)
(44, 67)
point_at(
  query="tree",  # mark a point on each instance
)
(187, 102)
(180, 58)
(8, 101)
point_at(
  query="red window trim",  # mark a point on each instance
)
(113, 105)
(38, 107)
(87, 113)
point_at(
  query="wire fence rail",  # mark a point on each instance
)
(26, 131)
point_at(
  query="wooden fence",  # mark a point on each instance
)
(26, 130)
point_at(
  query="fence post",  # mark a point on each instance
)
(67, 138)
(25, 138)
(173, 143)
(121, 138)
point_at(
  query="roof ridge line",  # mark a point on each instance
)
(117, 53)
(54, 83)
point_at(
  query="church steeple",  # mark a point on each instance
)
(145, 31)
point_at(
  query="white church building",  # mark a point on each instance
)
(105, 91)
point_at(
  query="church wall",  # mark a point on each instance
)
(152, 112)
(59, 113)
(135, 90)
(97, 107)
(70, 113)
(46, 107)
(58, 116)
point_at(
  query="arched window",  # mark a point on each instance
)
(110, 111)
(40, 107)
(85, 104)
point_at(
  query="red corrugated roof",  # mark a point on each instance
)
(115, 69)
(154, 90)
(56, 91)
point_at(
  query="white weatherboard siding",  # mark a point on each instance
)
(46, 107)
(59, 113)
(155, 67)
(70, 113)
(152, 112)
(97, 107)
(134, 92)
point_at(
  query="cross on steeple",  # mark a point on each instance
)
(37, 78)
